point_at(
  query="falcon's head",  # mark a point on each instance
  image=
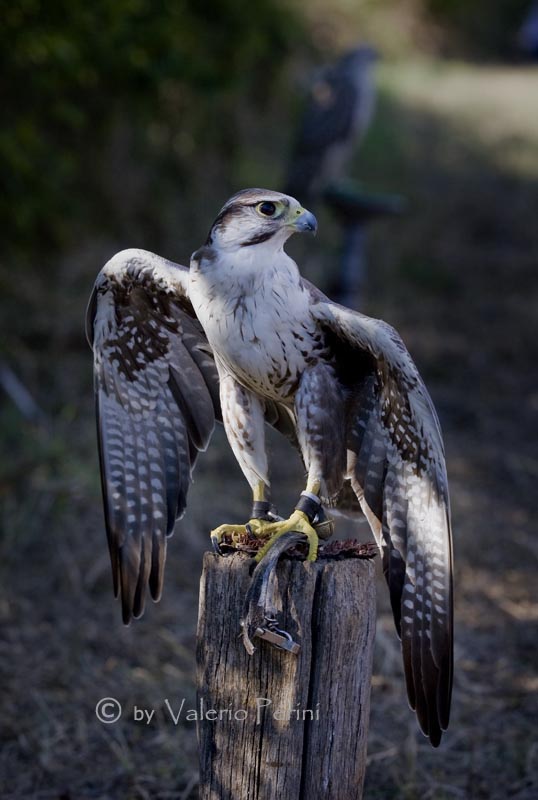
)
(254, 216)
(359, 58)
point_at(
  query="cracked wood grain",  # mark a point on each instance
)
(277, 725)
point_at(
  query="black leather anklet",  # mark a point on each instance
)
(263, 509)
(310, 505)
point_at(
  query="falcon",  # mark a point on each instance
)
(242, 338)
(337, 114)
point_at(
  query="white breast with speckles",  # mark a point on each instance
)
(257, 321)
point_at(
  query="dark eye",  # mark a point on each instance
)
(266, 208)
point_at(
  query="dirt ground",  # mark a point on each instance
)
(458, 276)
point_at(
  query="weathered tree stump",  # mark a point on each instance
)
(275, 724)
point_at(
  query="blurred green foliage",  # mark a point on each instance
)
(91, 89)
(161, 72)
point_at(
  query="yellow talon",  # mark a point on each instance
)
(297, 522)
(271, 531)
(219, 533)
(313, 544)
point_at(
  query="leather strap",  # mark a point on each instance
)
(310, 505)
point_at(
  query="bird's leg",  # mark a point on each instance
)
(322, 441)
(243, 417)
(263, 514)
(324, 452)
(307, 518)
(305, 513)
(244, 423)
(304, 519)
(263, 509)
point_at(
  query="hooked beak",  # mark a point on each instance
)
(304, 222)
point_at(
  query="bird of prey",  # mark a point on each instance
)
(241, 337)
(338, 111)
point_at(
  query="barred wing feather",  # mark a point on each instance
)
(397, 470)
(156, 390)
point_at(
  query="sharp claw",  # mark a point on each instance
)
(218, 535)
(215, 544)
(298, 522)
(272, 531)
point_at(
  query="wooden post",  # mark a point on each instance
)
(274, 724)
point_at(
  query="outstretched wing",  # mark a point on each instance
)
(156, 389)
(397, 469)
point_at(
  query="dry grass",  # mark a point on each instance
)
(458, 277)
